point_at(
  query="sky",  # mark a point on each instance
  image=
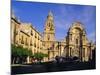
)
(64, 15)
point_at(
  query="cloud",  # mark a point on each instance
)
(69, 14)
(62, 20)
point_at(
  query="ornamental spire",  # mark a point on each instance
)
(50, 13)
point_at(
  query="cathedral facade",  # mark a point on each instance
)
(75, 43)
(54, 48)
(49, 35)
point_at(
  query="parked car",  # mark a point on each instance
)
(72, 59)
(60, 59)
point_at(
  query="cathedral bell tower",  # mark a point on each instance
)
(49, 33)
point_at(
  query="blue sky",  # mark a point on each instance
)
(64, 15)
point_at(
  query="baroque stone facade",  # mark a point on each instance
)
(76, 43)
(25, 35)
(51, 45)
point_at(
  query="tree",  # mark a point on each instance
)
(13, 53)
(19, 54)
(39, 56)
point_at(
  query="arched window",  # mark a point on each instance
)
(48, 37)
(71, 37)
(35, 35)
(49, 24)
(31, 42)
(83, 52)
(76, 41)
(22, 41)
(70, 51)
(34, 44)
(31, 32)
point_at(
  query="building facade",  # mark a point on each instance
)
(77, 43)
(49, 35)
(15, 24)
(51, 45)
(25, 35)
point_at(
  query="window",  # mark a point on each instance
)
(70, 51)
(38, 37)
(70, 36)
(48, 37)
(51, 28)
(22, 41)
(49, 24)
(83, 52)
(34, 44)
(35, 35)
(43, 44)
(31, 43)
(31, 32)
(76, 41)
(38, 46)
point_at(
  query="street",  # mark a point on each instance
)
(51, 67)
